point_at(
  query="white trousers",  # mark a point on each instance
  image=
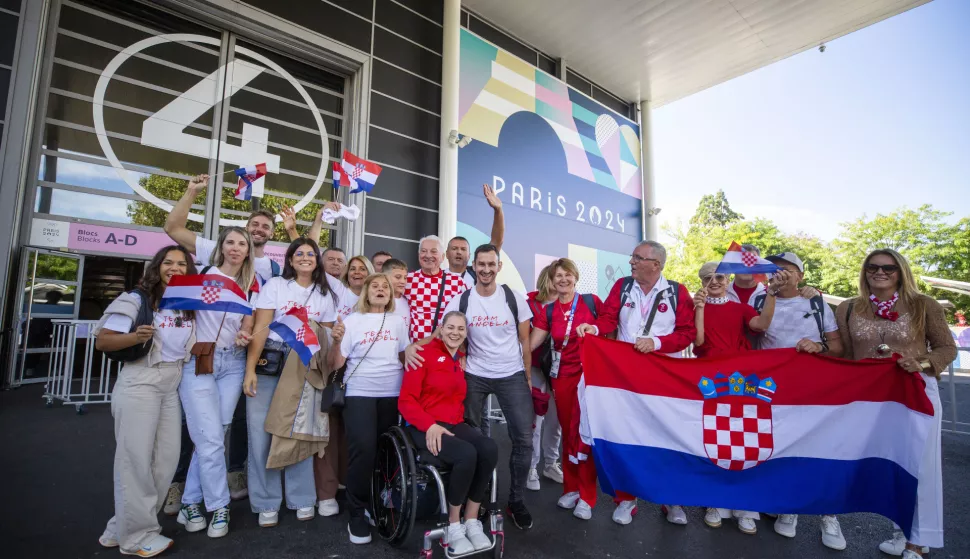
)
(148, 432)
(546, 433)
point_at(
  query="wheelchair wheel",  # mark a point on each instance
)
(394, 487)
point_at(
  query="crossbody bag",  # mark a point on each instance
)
(271, 361)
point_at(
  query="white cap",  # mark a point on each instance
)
(789, 257)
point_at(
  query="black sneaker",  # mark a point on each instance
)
(359, 529)
(519, 514)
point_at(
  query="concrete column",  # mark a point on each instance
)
(649, 216)
(448, 166)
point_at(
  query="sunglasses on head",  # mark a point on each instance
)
(888, 269)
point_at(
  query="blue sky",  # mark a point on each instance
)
(880, 120)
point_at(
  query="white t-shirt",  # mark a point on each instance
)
(167, 333)
(402, 309)
(205, 247)
(794, 320)
(207, 322)
(493, 333)
(469, 279)
(380, 374)
(281, 295)
(346, 303)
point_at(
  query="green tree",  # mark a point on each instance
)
(714, 210)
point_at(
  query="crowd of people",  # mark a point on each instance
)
(214, 407)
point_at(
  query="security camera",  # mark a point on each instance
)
(456, 139)
(821, 48)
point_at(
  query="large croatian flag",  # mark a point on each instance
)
(294, 328)
(739, 261)
(247, 176)
(772, 431)
(359, 174)
(208, 292)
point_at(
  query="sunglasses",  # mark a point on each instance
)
(716, 277)
(888, 269)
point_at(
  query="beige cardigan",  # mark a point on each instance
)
(299, 428)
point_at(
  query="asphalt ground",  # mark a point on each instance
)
(55, 497)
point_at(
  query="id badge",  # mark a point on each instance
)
(554, 368)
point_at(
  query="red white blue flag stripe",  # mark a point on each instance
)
(357, 173)
(209, 292)
(811, 434)
(294, 329)
(247, 176)
(739, 261)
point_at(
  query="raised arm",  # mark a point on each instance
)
(317, 226)
(498, 219)
(700, 299)
(179, 216)
(337, 358)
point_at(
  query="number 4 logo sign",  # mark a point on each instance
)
(165, 128)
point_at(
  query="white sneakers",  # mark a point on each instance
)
(173, 501)
(328, 507)
(269, 519)
(238, 485)
(568, 501)
(910, 554)
(220, 523)
(832, 533)
(624, 512)
(304, 513)
(712, 517)
(532, 482)
(897, 545)
(747, 526)
(786, 524)
(553, 471)
(675, 514)
(156, 545)
(191, 517)
(458, 544)
(583, 511)
(476, 535)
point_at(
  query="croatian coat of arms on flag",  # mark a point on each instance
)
(737, 420)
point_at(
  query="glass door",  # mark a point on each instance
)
(51, 291)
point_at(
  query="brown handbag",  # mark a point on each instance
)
(205, 353)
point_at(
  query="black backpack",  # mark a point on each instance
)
(145, 317)
(509, 300)
(673, 290)
(545, 360)
(471, 271)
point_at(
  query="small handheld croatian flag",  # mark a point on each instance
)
(294, 328)
(247, 176)
(358, 174)
(739, 261)
(208, 292)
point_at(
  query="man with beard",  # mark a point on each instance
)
(459, 249)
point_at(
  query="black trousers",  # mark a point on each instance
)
(238, 444)
(472, 457)
(364, 420)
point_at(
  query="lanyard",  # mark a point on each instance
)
(569, 324)
(642, 299)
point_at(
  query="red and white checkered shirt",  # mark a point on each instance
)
(422, 296)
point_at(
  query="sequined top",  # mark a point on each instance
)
(862, 334)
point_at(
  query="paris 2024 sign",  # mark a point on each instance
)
(566, 168)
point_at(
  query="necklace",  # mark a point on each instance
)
(567, 306)
(717, 300)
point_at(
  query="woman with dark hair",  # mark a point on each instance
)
(303, 285)
(891, 317)
(210, 388)
(145, 404)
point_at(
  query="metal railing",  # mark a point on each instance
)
(951, 422)
(92, 387)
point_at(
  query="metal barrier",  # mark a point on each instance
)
(62, 383)
(953, 425)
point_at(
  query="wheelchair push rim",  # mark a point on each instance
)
(394, 483)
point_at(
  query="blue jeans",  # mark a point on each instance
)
(209, 402)
(266, 486)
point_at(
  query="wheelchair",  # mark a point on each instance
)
(408, 484)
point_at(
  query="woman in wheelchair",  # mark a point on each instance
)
(432, 402)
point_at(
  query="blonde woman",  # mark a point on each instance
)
(371, 343)
(890, 316)
(358, 268)
(209, 398)
(546, 433)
